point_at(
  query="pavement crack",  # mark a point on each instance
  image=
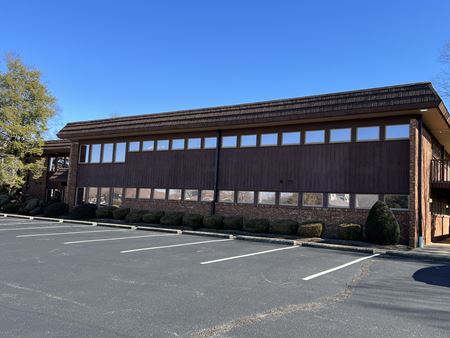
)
(277, 312)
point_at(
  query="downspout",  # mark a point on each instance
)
(216, 171)
(419, 184)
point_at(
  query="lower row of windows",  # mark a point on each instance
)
(114, 196)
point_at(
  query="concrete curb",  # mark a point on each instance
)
(147, 228)
(266, 239)
(210, 234)
(418, 255)
(337, 247)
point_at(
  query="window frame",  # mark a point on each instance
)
(291, 132)
(176, 140)
(253, 145)
(339, 207)
(99, 154)
(139, 194)
(229, 137)
(368, 140)
(126, 193)
(365, 208)
(158, 142)
(134, 142)
(340, 141)
(152, 142)
(245, 191)
(258, 201)
(193, 200)
(315, 131)
(397, 209)
(210, 138)
(277, 139)
(124, 153)
(313, 205)
(202, 199)
(87, 155)
(219, 199)
(103, 152)
(155, 190)
(289, 192)
(189, 147)
(174, 199)
(396, 138)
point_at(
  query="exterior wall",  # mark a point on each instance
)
(37, 187)
(72, 175)
(202, 208)
(440, 226)
(413, 183)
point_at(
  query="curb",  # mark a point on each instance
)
(143, 227)
(418, 255)
(204, 233)
(266, 239)
(337, 247)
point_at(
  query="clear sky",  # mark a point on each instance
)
(116, 58)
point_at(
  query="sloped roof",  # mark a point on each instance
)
(383, 99)
(56, 146)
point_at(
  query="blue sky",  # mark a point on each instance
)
(117, 58)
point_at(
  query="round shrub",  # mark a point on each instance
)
(135, 216)
(283, 227)
(105, 212)
(36, 211)
(83, 211)
(213, 222)
(172, 218)
(232, 222)
(310, 229)
(193, 221)
(121, 213)
(153, 217)
(256, 225)
(33, 203)
(11, 208)
(4, 199)
(56, 209)
(381, 226)
(351, 232)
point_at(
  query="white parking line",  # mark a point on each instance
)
(248, 255)
(67, 233)
(339, 267)
(176, 245)
(49, 227)
(118, 238)
(29, 222)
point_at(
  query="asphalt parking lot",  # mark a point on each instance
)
(69, 280)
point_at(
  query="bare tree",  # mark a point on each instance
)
(443, 80)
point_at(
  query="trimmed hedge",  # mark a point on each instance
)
(11, 208)
(56, 209)
(4, 199)
(257, 225)
(283, 227)
(36, 211)
(135, 216)
(310, 229)
(232, 222)
(105, 212)
(213, 222)
(172, 218)
(381, 226)
(153, 217)
(121, 213)
(193, 221)
(351, 232)
(84, 211)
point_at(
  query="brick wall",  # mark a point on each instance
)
(202, 208)
(413, 179)
(72, 175)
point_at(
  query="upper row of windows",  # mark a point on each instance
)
(115, 152)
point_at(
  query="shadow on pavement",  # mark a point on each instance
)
(434, 275)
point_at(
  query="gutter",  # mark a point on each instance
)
(419, 184)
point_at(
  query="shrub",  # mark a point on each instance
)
(121, 213)
(381, 225)
(310, 229)
(11, 208)
(105, 212)
(172, 218)
(36, 211)
(193, 221)
(232, 222)
(56, 209)
(213, 222)
(135, 216)
(153, 217)
(283, 227)
(256, 225)
(351, 232)
(4, 199)
(33, 203)
(84, 211)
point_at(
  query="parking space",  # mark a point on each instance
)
(108, 282)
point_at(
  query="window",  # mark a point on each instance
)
(292, 137)
(95, 155)
(365, 201)
(162, 145)
(210, 142)
(148, 145)
(81, 196)
(226, 196)
(269, 139)
(339, 200)
(175, 194)
(266, 197)
(191, 195)
(66, 162)
(207, 195)
(247, 197)
(52, 164)
(397, 201)
(194, 143)
(134, 146)
(368, 133)
(248, 141)
(229, 142)
(117, 197)
(145, 193)
(159, 194)
(104, 196)
(315, 136)
(341, 135)
(396, 132)
(107, 152)
(92, 195)
(178, 144)
(130, 193)
(120, 152)
(289, 198)
(84, 153)
(312, 199)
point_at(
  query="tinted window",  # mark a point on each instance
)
(159, 194)
(248, 141)
(266, 197)
(117, 197)
(315, 136)
(81, 196)
(194, 143)
(95, 156)
(120, 152)
(269, 139)
(134, 146)
(226, 196)
(397, 201)
(84, 153)
(107, 152)
(175, 194)
(178, 144)
(341, 135)
(207, 195)
(145, 193)
(162, 145)
(399, 131)
(148, 145)
(52, 164)
(92, 195)
(368, 134)
(290, 138)
(229, 141)
(104, 196)
(210, 142)
(365, 201)
(312, 199)
(339, 200)
(246, 197)
(289, 198)
(191, 195)
(130, 193)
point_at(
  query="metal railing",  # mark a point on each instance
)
(440, 171)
